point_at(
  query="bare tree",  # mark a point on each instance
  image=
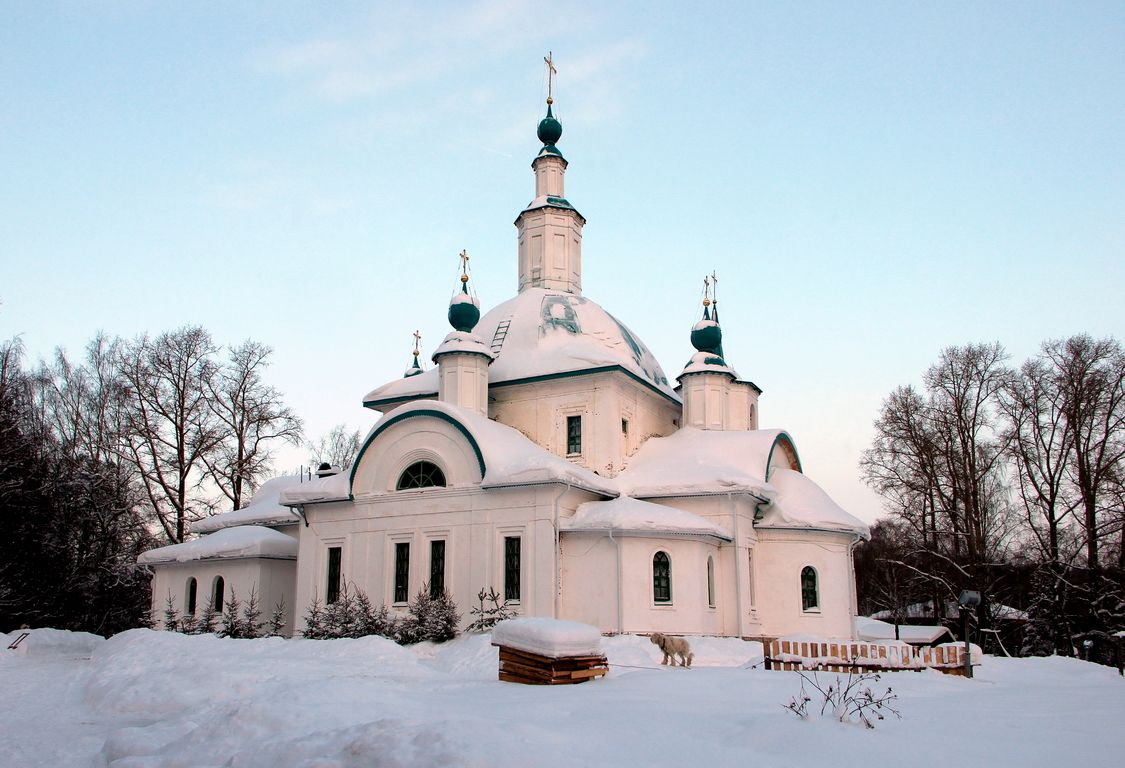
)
(1042, 450)
(1091, 379)
(937, 459)
(170, 428)
(338, 448)
(252, 417)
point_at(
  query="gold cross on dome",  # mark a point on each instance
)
(549, 60)
(417, 342)
(715, 286)
(464, 262)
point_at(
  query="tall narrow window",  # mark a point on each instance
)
(421, 474)
(437, 568)
(402, 572)
(192, 592)
(332, 588)
(511, 567)
(711, 582)
(573, 435)
(810, 600)
(661, 578)
(217, 596)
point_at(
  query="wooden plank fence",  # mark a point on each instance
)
(859, 656)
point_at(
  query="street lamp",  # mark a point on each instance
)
(969, 598)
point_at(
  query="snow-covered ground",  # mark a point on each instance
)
(147, 698)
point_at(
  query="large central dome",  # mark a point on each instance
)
(544, 333)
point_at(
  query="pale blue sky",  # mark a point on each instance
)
(872, 182)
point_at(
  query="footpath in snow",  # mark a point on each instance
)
(147, 698)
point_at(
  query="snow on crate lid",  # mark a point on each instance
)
(548, 637)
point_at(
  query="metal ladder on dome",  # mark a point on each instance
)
(501, 334)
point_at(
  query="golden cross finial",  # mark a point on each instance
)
(549, 60)
(706, 291)
(464, 266)
(715, 286)
(417, 342)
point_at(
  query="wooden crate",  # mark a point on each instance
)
(517, 666)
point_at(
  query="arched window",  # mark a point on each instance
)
(421, 474)
(711, 582)
(217, 594)
(810, 598)
(661, 578)
(192, 592)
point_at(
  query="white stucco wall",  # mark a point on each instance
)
(779, 559)
(539, 410)
(274, 581)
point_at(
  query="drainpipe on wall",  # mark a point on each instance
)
(620, 586)
(558, 573)
(851, 581)
(737, 569)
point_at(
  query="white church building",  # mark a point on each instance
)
(547, 456)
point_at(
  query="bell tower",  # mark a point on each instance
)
(550, 229)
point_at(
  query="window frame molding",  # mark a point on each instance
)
(670, 602)
(815, 608)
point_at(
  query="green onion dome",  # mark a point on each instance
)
(550, 129)
(706, 336)
(414, 369)
(463, 311)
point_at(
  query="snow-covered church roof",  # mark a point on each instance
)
(264, 508)
(694, 461)
(798, 502)
(628, 515)
(229, 543)
(545, 333)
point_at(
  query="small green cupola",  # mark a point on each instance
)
(550, 129)
(414, 368)
(464, 310)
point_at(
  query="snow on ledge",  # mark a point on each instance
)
(240, 541)
(548, 637)
(332, 488)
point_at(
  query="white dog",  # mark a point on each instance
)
(673, 647)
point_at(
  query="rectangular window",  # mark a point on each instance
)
(437, 568)
(511, 567)
(402, 572)
(573, 435)
(332, 588)
(625, 427)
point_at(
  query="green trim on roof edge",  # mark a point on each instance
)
(783, 436)
(374, 404)
(402, 417)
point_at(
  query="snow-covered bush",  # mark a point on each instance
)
(353, 615)
(488, 616)
(431, 618)
(846, 698)
(277, 619)
(171, 615)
